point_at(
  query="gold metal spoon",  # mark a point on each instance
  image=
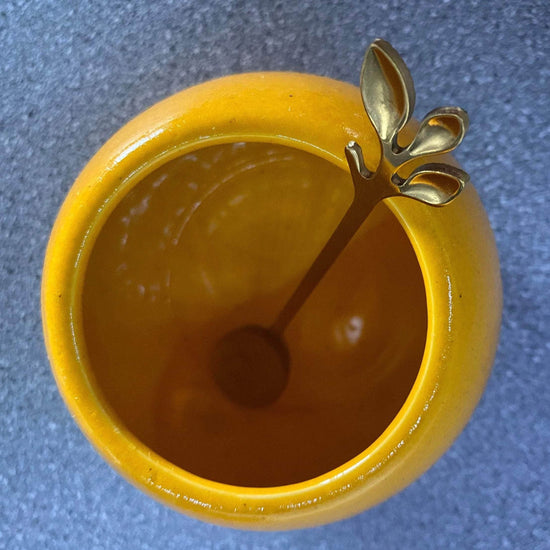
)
(251, 364)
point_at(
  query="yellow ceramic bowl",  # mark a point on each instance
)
(201, 215)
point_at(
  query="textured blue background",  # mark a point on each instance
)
(73, 72)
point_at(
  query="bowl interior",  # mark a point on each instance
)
(218, 239)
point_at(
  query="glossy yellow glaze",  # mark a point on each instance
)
(199, 216)
(217, 240)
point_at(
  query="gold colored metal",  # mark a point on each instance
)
(388, 95)
(251, 363)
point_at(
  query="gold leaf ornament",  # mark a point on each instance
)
(387, 89)
(388, 95)
(441, 131)
(434, 184)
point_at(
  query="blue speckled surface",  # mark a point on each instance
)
(71, 73)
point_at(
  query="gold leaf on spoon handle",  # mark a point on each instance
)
(387, 90)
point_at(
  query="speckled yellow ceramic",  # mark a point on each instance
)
(201, 215)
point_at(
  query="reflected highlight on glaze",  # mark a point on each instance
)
(218, 239)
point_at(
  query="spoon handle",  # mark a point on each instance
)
(388, 95)
(363, 203)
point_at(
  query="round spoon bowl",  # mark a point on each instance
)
(251, 366)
